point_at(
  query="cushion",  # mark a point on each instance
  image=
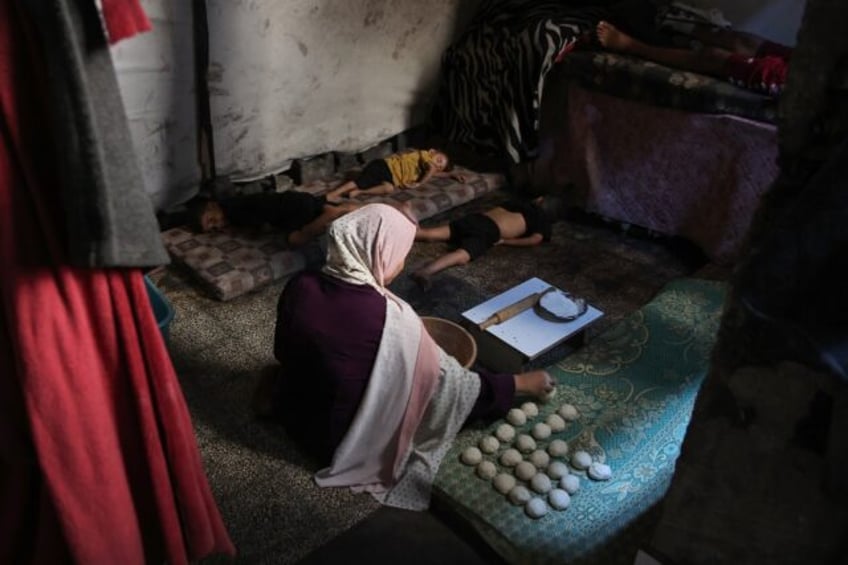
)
(634, 387)
(637, 79)
(234, 261)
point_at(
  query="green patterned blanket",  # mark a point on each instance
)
(634, 387)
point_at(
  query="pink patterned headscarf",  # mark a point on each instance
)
(369, 244)
(365, 247)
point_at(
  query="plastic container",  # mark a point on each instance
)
(162, 308)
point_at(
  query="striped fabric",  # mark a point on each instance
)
(494, 75)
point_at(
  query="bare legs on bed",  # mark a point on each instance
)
(708, 61)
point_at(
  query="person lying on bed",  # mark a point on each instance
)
(406, 169)
(361, 385)
(302, 216)
(742, 58)
(517, 223)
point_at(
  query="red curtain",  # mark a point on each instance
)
(98, 460)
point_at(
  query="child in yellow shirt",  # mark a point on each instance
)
(407, 169)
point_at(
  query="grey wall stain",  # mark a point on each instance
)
(373, 17)
(402, 41)
(215, 72)
(303, 48)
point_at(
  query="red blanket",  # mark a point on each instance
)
(98, 460)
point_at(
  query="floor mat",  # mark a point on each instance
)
(634, 387)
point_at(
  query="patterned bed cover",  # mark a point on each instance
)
(634, 387)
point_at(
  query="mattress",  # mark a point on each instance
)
(232, 262)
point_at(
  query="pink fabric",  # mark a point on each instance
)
(423, 386)
(98, 460)
(700, 176)
(366, 247)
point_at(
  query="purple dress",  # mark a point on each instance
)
(326, 340)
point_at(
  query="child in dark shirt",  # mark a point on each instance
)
(301, 215)
(516, 223)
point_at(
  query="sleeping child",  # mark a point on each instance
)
(301, 215)
(407, 169)
(517, 223)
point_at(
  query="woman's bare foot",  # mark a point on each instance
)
(613, 38)
(534, 383)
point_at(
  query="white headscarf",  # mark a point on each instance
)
(380, 450)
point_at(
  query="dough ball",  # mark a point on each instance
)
(525, 443)
(510, 458)
(471, 456)
(541, 483)
(557, 470)
(486, 470)
(550, 395)
(558, 448)
(525, 470)
(489, 444)
(581, 460)
(599, 472)
(536, 508)
(516, 417)
(568, 412)
(556, 423)
(504, 483)
(570, 483)
(530, 409)
(519, 495)
(540, 459)
(505, 432)
(541, 431)
(559, 499)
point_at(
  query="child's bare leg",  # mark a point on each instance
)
(435, 233)
(379, 190)
(317, 226)
(534, 383)
(341, 190)
(446, 261)
(710, 60)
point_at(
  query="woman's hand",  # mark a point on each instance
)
(534, 383)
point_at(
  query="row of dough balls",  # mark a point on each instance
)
(556, 481)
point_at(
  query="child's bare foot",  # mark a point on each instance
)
(534, 383)
(612, 38)
(422, 280)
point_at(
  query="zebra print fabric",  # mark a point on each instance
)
(494, 75)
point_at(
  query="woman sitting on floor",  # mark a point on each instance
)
(361, 384)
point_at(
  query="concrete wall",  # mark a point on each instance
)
(302, 77)
(156, 77)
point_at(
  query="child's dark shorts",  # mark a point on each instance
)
(475, 233)
(376, 172)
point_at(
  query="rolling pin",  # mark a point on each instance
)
(512, 310)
